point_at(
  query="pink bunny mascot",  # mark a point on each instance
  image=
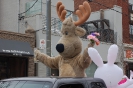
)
(110, 73)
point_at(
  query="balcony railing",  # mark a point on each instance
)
(106, 35)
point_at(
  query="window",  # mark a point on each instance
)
(131, 14)
(72, 86)
(8, 84)
(4, 84)
(36, 9)
(31, 84)
(21, 83)
(12, 84)
(131, 31)
(24, 84)
(130, 7)
(97, 85)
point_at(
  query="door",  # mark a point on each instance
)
(3, 68)
(130, 67)
(13, 67)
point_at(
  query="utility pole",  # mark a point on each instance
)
(48, 32)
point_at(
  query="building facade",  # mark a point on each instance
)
(15, 16)
(126, 31)
(16, 46)
(16, 54)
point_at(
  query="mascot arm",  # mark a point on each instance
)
(85, 60)
(51, 62)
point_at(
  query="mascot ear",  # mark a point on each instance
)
(80, 31)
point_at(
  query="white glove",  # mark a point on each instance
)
(36, 52)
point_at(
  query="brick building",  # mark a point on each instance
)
(127, 22)
(16, 54)
(110, 3)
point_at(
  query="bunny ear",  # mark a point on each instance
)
(131, 71)
(112, 54)
(94, 55)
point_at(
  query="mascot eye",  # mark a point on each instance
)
(66, 33)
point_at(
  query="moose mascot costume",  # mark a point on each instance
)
(70, 61)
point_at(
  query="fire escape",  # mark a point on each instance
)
(106, 34)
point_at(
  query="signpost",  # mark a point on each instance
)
(42, 44)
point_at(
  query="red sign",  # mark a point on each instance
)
(129, 54)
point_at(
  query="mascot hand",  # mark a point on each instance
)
(36, 54)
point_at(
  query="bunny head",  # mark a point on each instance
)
(110, 73)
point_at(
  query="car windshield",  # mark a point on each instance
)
(25, 84)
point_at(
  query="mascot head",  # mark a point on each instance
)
(70, 44)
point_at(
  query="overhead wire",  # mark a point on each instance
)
(57, 21)
(28, 8)
(76, 9)
(52, 24)
(44, 3)
(110, 8)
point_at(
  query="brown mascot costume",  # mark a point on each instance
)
(70, 61)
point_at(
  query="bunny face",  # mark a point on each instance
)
(110, 73)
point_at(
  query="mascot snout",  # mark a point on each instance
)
(60, 48)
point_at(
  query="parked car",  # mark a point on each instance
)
(52, 82)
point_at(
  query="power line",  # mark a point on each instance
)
(55, 7)
(110, 8)
(52, 24)
(28, 8)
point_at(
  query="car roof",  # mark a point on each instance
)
(50, 79)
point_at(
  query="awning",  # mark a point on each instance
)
(16, 48)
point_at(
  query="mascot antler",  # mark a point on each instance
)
(83, 12)
(60, 8)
